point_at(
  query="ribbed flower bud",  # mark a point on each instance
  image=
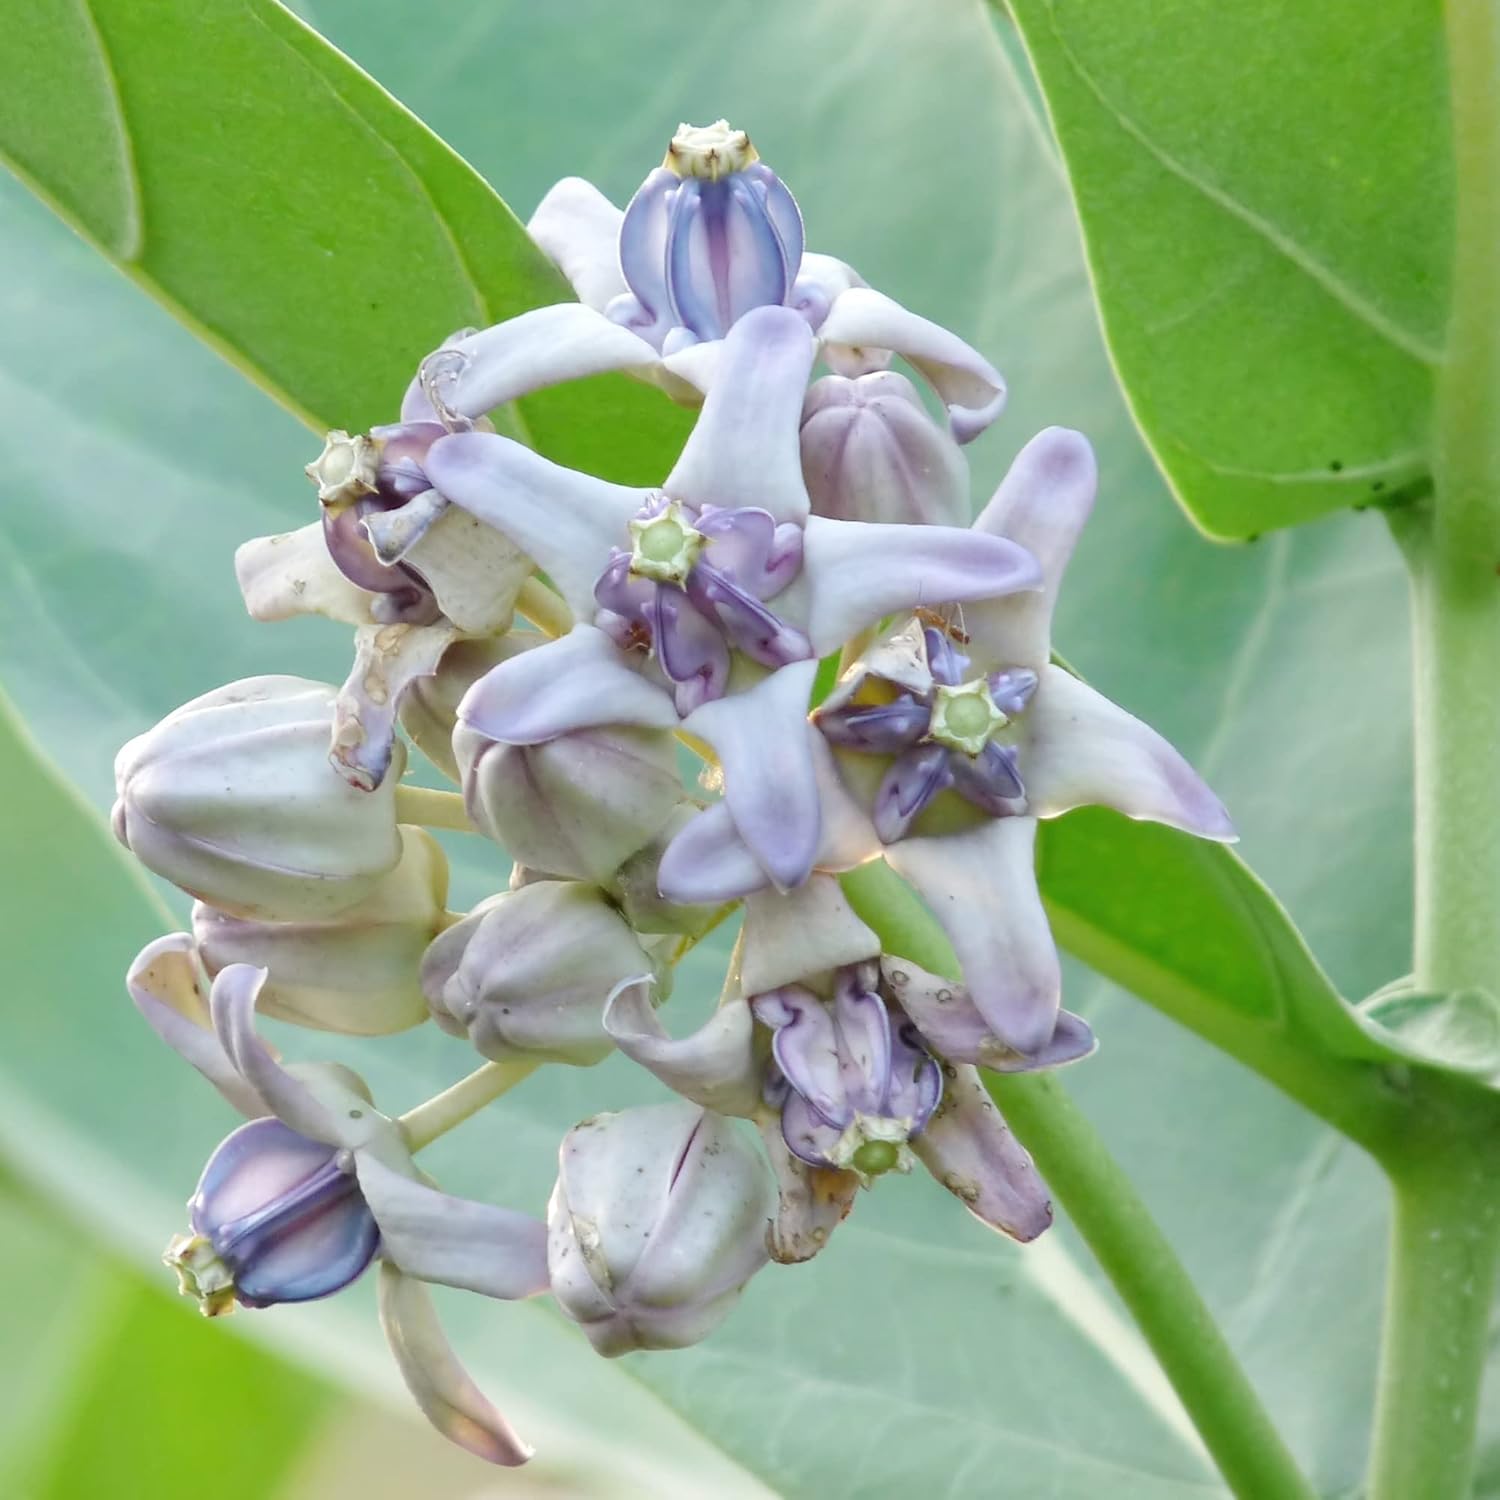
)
(277, 1217)
(658, 1220)
(358, 971)
(579, 805)
(870, 452)
(233, 799)
(429, 710)
(527, 973)
(711, 234)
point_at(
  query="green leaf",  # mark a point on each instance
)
(117, 603)
(283, 206)
(1267, 205)
(122, 1394)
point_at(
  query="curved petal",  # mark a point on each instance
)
(981, 886)
(546, 346)
(913, 779)
(864, 1028)
(807, 1134)
(716, 1066)
(745, 449)
(806, 1048)
(568, 522)
(579, 681)
(764, 744)
(971, 387)
(474, 571)
(388, 659)
(292, 574)
(948, 1019)
(708, 862)
(232, 1006)
(578, 229)
(641, 256)
(971, 1151)
(1042, 504)
(166, 982)
(813, 1201)
(496, 1252)
(856, 572)
(788, 937)
(1085, 751)
(441, 1387)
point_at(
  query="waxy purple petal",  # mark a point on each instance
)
(971, 1151)
(945, 1014)
(496, 1252)
(567, 521)
(716, 1066)
(855, 573)
(971, 388)
(743, 450)
(1041, 504)
(981, 886)
(1086, 751)
(763, 742)
(441, 1387)
(167, 984)
(579, 681)
(544, 347)
(578, 229)
(915, 777)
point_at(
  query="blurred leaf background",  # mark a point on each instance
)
(919, 1350)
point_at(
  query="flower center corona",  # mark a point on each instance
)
(965, 718)
(665, 548)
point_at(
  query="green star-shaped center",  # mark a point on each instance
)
(965, 717)
(665, 547)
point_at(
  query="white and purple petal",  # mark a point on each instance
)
(764, 744)
(862, 319)
(568, 522)
(716, 1066)
(578, 229)
(579, 681)
(480, 1247)
(168, 986)
(856, 572)
(744, 449)
(972, 1153)
(981, 887)
(441, 1387)
(1041, 504)
(1085, 751)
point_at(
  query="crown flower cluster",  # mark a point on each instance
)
(800, 608)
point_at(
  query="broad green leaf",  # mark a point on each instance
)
(979, 1360)
(1266, 197)
(283, 205)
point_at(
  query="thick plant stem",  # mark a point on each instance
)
(432, 809)
(1152, 1282)
(1445, 1246)
(1131, 1249)
(1446, 1227)
(1454, 552)
(440, 1114)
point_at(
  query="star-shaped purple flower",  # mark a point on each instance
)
(708, 601)
(948, 740)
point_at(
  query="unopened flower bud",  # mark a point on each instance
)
(527, 973)
(871, 452)
(233, 799)
(357, 971)
(276, 1218)
(579, 805)
(658, 1220)
(429, 709)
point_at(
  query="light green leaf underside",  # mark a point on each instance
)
(108, 619)
(1266, 199)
